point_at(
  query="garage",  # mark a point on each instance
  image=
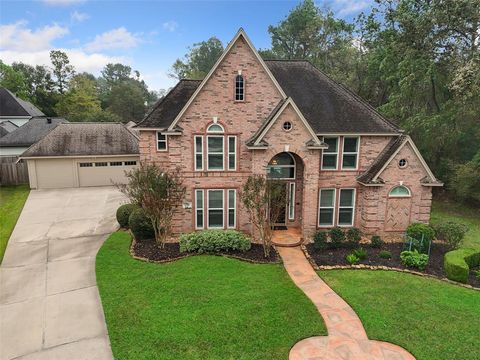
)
(82, 154)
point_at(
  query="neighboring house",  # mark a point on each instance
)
(6, 127)
(342, 163)
(17, 141)
(16, 110)
(82, 154)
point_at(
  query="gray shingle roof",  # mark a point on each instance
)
(166, 109)
(30, 132)
(10, 105)
(80, 139)
(7, 127)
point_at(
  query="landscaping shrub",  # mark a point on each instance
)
(419, 230)
(361, 253)
(451, 232)
(376, 241)
(214, 241)
(337, 237)
(352, 259)
(477, 274)
(457, 263)
(354, 235)
(385, 254)
(123, 213)
(320, 240)
(414, 259)
(140, 225)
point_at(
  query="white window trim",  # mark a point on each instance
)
(243, 88)
(400, 196)
(166, 141)
(197, 191)
(234, 208)
(195, 153)
(352, 207)
(291, 203)
(331, 153)
(234, 153)
(216, 153)
(222, 208)
(327, 207)
(357, 153)
(285, 166)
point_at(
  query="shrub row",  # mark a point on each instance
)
(133, 217)
(214, 241)
(457, 263)
(337, 238)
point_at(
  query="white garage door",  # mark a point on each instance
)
(53, 174)
(101, 172)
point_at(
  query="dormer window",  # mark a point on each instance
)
(239, 88)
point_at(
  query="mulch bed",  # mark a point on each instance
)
(334, 257)
(150, 251)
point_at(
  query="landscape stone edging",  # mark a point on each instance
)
(386, 268)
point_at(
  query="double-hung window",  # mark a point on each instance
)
(215, 214)
(198, 152)
(330, 155)
(326, 213)
(199, 213)
(346, 207)
(232, 206)
(215, 154)
(350, 153)
(232, 152)
(161, 141)
(215, 208)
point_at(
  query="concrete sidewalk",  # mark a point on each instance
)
(49, 302)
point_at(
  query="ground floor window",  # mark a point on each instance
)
(346, 207)
(329, 205)
(217, 208)
(326, 207)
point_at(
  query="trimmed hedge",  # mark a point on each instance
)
(123, 214)
(457, 263)
(140, 225)
(214, 241)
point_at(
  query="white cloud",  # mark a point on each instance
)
(158, 79)
(351, 7)
(119, 38)
(78, 17)
(63, 2)
(170, 26)
(17, 36)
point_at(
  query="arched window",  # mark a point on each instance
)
(399, 191)
(239, 88)
(282, 166)
(215, 128)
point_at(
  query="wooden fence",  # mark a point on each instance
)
(11, 172)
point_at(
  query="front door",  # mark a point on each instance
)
(278, 210)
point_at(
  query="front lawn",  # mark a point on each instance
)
(201, 307)
(431, 319)
(12, 199)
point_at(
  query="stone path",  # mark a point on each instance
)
(347, 339)
(49, 302)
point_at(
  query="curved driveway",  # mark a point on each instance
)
(49, 302)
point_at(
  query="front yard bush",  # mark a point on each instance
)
(385, 254)
(414, 259)
(376, 241)
(140, 225)
(337, 237)
(123, 214)
(457, 263)
(360, 253)
(421, 231)
(320, 240)
(354, 235)
(352, 259)
(451, 232)
(214, 241)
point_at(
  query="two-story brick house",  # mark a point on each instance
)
(342, 163)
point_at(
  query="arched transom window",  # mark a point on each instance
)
(239, 88)
(282, 166)
(399, 191)
(215, 128)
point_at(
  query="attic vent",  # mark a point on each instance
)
(49, 120)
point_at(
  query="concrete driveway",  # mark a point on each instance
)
(49, 302)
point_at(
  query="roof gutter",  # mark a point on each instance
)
(73, 156)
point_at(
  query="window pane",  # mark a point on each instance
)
(215, 128)
(326, 217)
(346, 197)
(199, 161)
(327, 198)
(275, 172)
(350, 144)
(231, 218)
(215, 199)
(231, 144)
(231, 161)
(215, 144)
(349, 161)
(215, 218)
(282, 159)
(231, 198)
(162, 145)
(200, 218)
(161, 137)
(329, 161)
(332, 144)
(345, 216)
(400, 191)
(198, 144)
(215, 162)
(199, 199)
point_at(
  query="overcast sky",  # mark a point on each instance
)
(147, 35)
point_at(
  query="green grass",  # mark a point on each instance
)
(201, 307)
(430, 318)
(12, 199)
(451, 211)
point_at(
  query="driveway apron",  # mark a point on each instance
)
(49, 302)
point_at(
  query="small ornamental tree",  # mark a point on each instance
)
(263, 199)
(158, 193)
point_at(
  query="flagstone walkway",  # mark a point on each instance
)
(347, 339)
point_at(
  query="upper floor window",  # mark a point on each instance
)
(215, 128)
(161, 141)
(399, 191)
(282, 166)
(330, 155)
(220, 150)
(350, 153)
(239, 88)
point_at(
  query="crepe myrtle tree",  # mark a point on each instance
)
(262, 199)
(159, 193)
